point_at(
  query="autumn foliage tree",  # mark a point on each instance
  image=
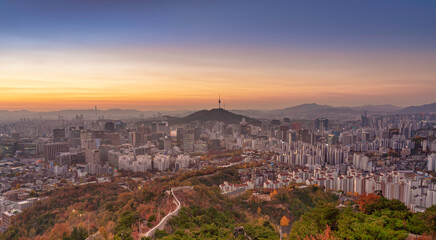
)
(365, 199)
(284, 222)
(273, 194)
(259, 210)
(326, 235)
(59, 231)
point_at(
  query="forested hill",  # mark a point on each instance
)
(123, 209)
(218, 114)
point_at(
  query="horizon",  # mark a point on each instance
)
(173, 56)
(210, 108)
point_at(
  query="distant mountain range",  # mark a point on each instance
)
(313, 110)
(377, 108)
(304, 111)
(419, 109)
(89, 114)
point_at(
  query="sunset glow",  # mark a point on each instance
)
(149, 68)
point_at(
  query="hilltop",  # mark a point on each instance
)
(217, 114)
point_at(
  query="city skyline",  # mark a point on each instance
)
(173, 56)
(219, 120)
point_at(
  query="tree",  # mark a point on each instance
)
(429, 217)
(33, 194)
(282, 195)
(152, 218)
(59, 230)
(273, 193)
(160, 234)
(284, 221)
(124, 226)
(259, 211)
(365, 199)
(314, 221)
(104, 233)
(326, 235)
(77, 234)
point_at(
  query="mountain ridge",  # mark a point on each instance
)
(217, 114)
(307, 110)
(426, 108)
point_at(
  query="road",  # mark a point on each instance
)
(162, 223)
(164, 220)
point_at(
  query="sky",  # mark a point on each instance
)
(176, 55)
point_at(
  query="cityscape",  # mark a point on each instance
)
(231, 120)
(393, 155)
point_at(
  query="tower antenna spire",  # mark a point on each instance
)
(219, 100)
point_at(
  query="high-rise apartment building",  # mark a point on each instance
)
(52, 149)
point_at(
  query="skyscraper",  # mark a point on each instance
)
(365, 120)
(321, 124)
(431, 162)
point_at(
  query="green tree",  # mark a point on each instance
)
(315, 221)
(429, 217)
(77, 234)
(160, 234)
(123, 229)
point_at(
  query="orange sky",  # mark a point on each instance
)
(191, 78)
(179, 55)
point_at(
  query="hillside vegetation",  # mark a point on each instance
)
(123, 208)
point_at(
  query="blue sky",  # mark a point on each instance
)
(335, 24)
